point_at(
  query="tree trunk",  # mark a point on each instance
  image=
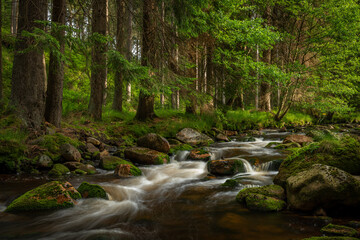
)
(129, 44)
(146, 101)
(1, 68)
(54, 94)
(98, 68)
(28, 79)
(120, 47)
(14, 16)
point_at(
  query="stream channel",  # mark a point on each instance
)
(172, 201)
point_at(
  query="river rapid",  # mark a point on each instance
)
(173, 201)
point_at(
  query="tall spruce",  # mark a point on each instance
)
(98, 63)
(28, 78)
(54, 93)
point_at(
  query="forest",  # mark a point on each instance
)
(141, 119)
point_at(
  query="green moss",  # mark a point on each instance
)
(61, 168)
(54, 173)
(274, 191)
(232, 183)
(50, 196)
(110, 163)
(12, 154)
(181, 147)
(88, 190)
(162, 158)
(80, 172)
(259, 202)
(338, 230)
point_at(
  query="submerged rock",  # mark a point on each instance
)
(146, 156)
(226, 167)
(193, 137)
(88, 190)
(70, 153)
(155, 142)
(50, 196)
(338, 230)
(322, 186)
(267, 198)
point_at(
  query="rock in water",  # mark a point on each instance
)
(199, 154)
(127, 170)
(88, 190)
(50, 196)
(338, 230)
(146, 156)
(322, 186)
(267, 198)
(155, 142)
(226, 167)
(300, 139)
(70, 153)
(111, 162)
(88, 168)
(193, 137)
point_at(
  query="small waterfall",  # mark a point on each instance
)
(247, 166)
(182, 156)
(269, 166)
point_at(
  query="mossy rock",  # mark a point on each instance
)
(127, 169)
(80, 172)
(339, 230)
(226, 167)
(11, 155)
(88, 190)
(273, 191)
(111, 162)
(50, 196)
(146, 156)
(178, 148)
(231, 183)
(259, 202)
(288, 145)
(272, 144)
(199, 154)
(341, 153)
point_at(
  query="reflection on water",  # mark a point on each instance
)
(173, 201)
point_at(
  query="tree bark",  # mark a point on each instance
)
(146, 101)
(129, 44)
(120, 47)
(28, 79)
(1, 68)
(14, 16)
(54, 93)
(98, 68)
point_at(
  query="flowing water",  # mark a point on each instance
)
(173, 201)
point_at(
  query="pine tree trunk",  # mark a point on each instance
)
(14, 16)
(129, 44)
(28, 79)
(54, 94)
(98, 68)
(146, 101)
(120, 47)
(1, 68)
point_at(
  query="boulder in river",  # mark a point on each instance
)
(88, 190)
(322, 186)
(110, 162)
(58, 170)
(50, 196)
(146, 156)
(226, 167)
(267, 198)
(199, 154)
(339, 230)
(300, 139)
(70, 153)
(154, 141)
(193, 137)
(222, 137)
(87, 168)
(45, 162)
(127, 170)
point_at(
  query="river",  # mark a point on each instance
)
(173, 201)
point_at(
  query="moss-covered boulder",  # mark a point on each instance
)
(322, 186)
(146, 156)
(199, 155)
(230, 183)
(154, 141)
(193, 137)
(70, 153)
(226, 167)
(222, 137)
(274, 191)
(287, 145)
(127, 169)
(87, 168)
(341, 153)
(59, 170)
(88, 190)
(267, 198)
(50, 196)
(45, 162)
(339, 230)
(111, 162)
